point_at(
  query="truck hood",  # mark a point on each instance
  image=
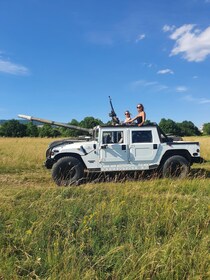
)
(80, 147)
(65, 142)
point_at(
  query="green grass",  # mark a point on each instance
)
(149, 229)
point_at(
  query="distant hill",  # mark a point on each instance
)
(22, 121)
(2, 121)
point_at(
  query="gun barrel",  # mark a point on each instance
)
(113, 115)
(25, 117)
(30, 118)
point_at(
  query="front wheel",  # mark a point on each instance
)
(67, 171)
(176, 167)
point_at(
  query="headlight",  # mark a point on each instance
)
(48, 153)
(53, 152)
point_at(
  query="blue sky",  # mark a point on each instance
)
(61, 60)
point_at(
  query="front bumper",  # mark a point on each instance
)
(197, 160)
(49, 163)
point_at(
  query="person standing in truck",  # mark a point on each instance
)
(141, 117)
(127, 117)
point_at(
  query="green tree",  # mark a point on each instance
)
(56, 132)
(187, 128)
(108, 123)
(169, 127)
(90, 122)
(206, 128)
(13, 128)
(48, 131)
(32, 130)
(148, 122)
(67, 132)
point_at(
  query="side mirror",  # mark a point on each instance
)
(94, 146)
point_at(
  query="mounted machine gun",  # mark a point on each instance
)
(113, 115)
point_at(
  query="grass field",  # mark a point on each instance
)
(148, 229)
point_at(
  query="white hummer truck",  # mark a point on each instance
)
(116, 149)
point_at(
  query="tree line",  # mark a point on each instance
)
(14, 128)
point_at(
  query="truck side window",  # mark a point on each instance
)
(107, 136)
(112, 137)
(144, 136)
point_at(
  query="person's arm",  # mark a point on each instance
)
(132, 120)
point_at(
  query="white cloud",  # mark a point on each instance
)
(153, 85)
(140, 37)
(148, 65)
(148, 84)
(12, 68)
(184, 29)
(204, 101)
(181, 89)
(161, 87)
(190, 98)
(138, 83)
(144, 83)
(165, 71)
(167, 28)
(191, 42)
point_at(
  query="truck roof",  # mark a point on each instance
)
(129, 126)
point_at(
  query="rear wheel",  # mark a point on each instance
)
(176, 167)
(67, 171)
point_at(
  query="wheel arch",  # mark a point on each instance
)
(168, 154)
(61, 155)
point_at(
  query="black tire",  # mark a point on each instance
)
(67, 171)
(176, 167)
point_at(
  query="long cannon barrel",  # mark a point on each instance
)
(30, 118)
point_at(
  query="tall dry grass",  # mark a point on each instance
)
(204, 145)
(29, 153)
(22, 162)
(150, 229)
(22, 152)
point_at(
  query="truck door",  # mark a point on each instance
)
(113, 149)
(142, 147)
